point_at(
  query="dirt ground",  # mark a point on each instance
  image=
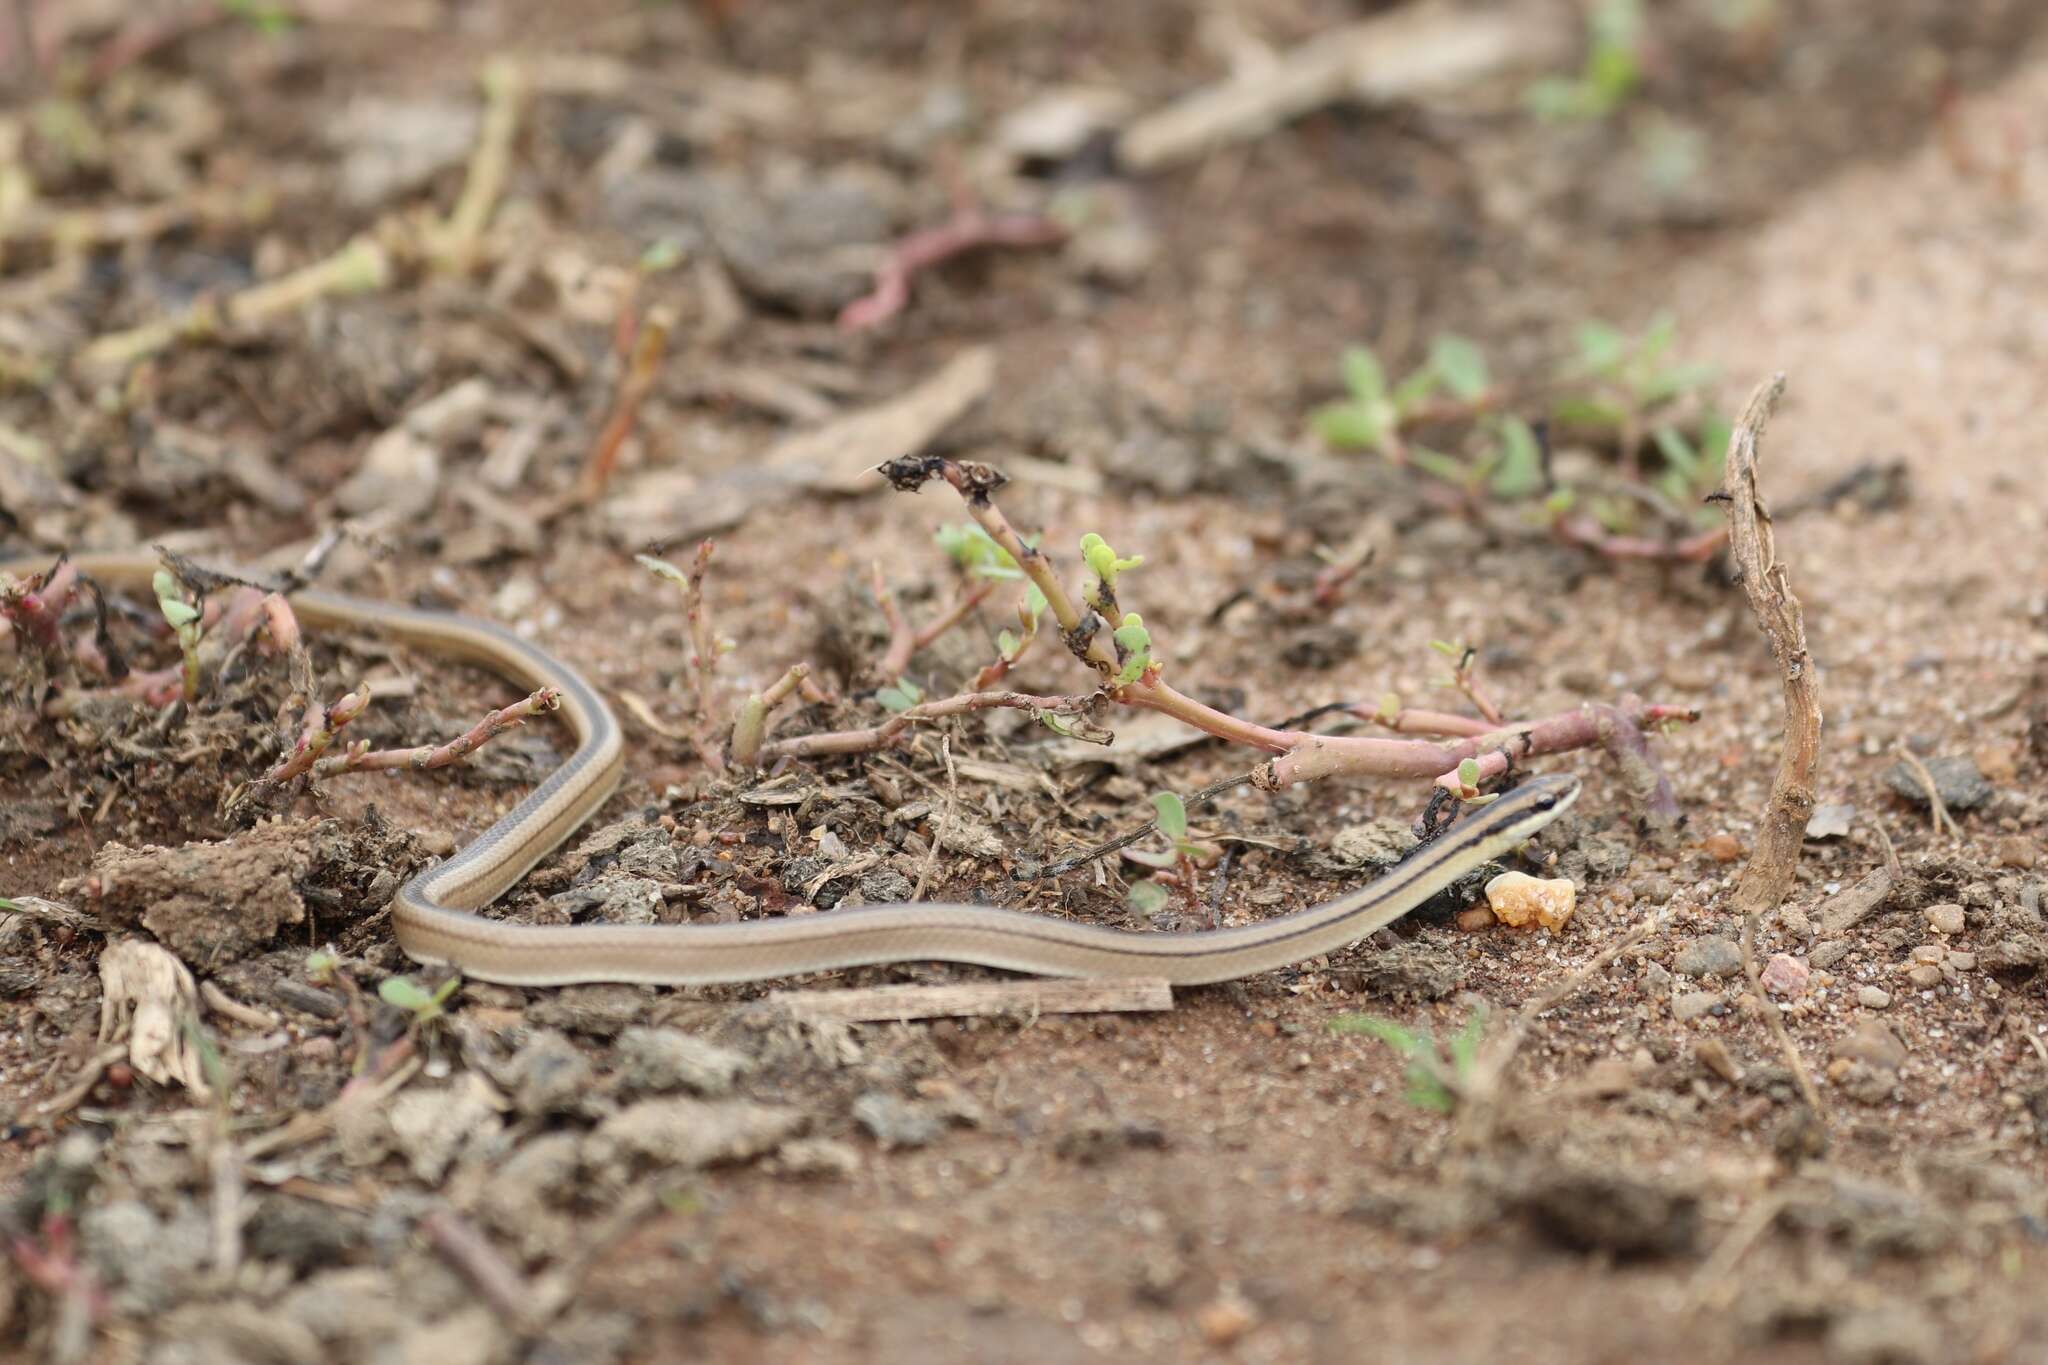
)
(1852, 195)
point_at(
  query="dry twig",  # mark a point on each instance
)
(1782, 830)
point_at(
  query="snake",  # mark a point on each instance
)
(435, 920)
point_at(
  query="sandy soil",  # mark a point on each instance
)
(1233, 1180)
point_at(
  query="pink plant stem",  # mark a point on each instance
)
(1414, 721)
(321, 725)
(904, 640)
(425, 756)
(282, 623)
(36, 607)
(967, 230)
(973, 485)
(1591, 535)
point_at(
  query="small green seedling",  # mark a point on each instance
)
(1437, 1079)
(1621, 394)
(1373, 416)
(901, 696)
(402, 992)
(1610, 73)
(1133, 650)
(1182, 853)
(1009, 643)
(184, 621)
(321, 965)
(976, 552)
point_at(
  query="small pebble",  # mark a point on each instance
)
(1713, 956)
(1946, 918)
(1874, 1045)
(1519, 899)
(1723, 848)
(1958, 782)
(1225, 1319)
(1713, 1054)
(1871, 997)
(2017, 851)
(1795, 922)
(1693, 1004)
(1924, 976)
(1963, 962)
(1784, 975)
(1930, 953)
(1829, 951)
(1476, 918)
(1830, 822)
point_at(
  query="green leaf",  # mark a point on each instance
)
(405, 993)
(1034, 601)
(1153, 858)
(1588, 412)
(1468, 773)
(1465, 1045)
(1676, 450)
(1147, 897)
(1460, 365)
(1364, 376)
(1426, 1092)
(1715, 433)
(1402, 1040)
(1449, 468)
(1518, 473)
(321, 963)
(664, 253)
(1411, 391)
(1173, 815)
(1666, 384)
(179, 614)
(1103, 561)
(1135, 642)
(974, 550)
(446, 989)
(1007, 644)
(1349, 426)
(1601, 347)
(1447, 649)
(901, 697)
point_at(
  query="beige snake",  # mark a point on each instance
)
(434, 912)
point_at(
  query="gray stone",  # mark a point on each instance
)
(1693, 1004)
(896, 1122)
(547, 1076)
(1872, 998)
(1377, 843)
(1956, 781)
(1946, 918)
(687, 1133)
(662, 1059)
(1713, 956)
(1828, 952)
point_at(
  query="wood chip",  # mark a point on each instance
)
(665, 506)
(1392, 56)
(1027, 998)
(840, 456)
